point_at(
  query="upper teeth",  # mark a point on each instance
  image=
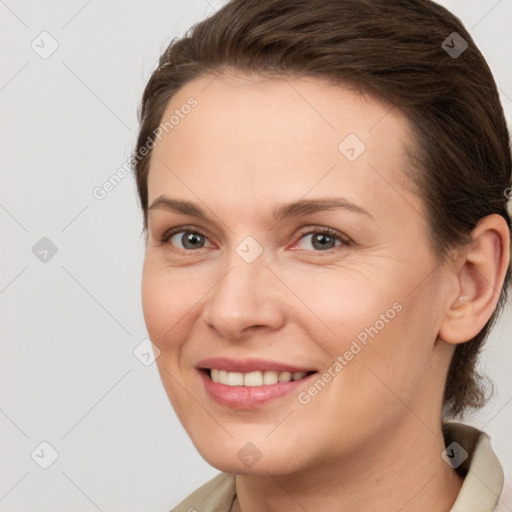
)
(253, 378)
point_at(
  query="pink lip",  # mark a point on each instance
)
(248, 397)
(249, 365)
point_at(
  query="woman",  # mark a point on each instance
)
(323, 185)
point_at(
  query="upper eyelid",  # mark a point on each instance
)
(180, 229)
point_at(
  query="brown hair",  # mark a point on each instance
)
(395, 51)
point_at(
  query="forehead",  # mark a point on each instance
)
(251, 138)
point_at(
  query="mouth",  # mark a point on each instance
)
(252, 383)
(255, 378)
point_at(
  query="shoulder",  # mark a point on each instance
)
(216, 495)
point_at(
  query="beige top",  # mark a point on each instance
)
(481, 470)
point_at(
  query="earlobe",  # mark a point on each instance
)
(481, 273)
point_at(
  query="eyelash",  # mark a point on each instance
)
(323, 230)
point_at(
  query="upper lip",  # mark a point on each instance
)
(249, 365)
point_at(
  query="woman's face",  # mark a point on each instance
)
(256, 290)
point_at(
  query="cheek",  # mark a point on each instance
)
(393, 350)
(372, 323)
(167, 305)
(342, 303)
(168, 309)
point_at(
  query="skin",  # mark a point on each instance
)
(371, 439)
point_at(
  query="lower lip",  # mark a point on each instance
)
(248, 397)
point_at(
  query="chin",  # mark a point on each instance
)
(260, 468)
(242, 457)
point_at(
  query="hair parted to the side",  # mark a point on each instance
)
(389, 49)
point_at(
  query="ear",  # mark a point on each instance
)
(479, 277)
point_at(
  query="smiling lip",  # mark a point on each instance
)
(249, 365)
(248, 397)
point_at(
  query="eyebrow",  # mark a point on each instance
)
(282, 211)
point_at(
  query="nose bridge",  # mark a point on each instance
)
(241, 297)
(246, 263)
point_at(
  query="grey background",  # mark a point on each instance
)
(70, 324)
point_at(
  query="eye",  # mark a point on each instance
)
(190, 239)
(320, 238)
(323, 239)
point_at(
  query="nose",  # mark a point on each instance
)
(244, 300)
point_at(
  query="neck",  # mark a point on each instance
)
(402, 471)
